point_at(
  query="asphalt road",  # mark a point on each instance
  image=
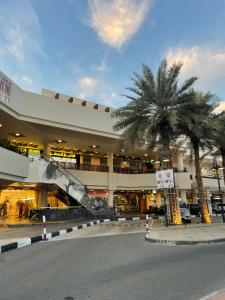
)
(110, 262)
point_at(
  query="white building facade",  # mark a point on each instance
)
(78, 136)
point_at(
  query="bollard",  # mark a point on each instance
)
(44, 229)
(147, 225)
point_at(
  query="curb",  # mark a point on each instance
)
(38, 238)
(179, 243)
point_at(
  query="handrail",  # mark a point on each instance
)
(59, 167)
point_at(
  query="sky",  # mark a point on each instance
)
(90, 48)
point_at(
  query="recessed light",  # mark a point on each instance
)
(94, 146)
(59, 141)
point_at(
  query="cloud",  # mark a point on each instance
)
(96, 90)
(206, 63)
(116, 21)
(87, 83)
(27, 79)
(21, 43)
(102, 67)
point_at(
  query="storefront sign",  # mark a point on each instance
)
(165, 179)
(63, 154)
(5, 88)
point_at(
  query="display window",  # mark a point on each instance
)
(17, 202)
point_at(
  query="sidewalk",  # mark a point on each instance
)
(192, 234)
(16, 231)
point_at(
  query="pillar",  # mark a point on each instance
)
(183, 195)
(180, 162)
(47, 149)
(110, 198)
(110, 162)
(208, 196)
(43, 197)
(110, 179)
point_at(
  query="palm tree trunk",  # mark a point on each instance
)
(174, 205)
(202, 201)
(223, 164)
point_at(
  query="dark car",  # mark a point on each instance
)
(194, 209)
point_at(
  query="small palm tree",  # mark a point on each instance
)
(196, 121)
(151, 115)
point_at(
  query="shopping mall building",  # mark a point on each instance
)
(69, 149)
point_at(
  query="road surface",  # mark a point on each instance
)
(111, 262)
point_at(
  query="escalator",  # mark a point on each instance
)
(68, 188)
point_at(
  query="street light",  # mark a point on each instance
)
(216, 168)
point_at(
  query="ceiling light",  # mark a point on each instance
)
(17, 134)
(94, 146)
(0, 125)
(59, 141)
(166, 159)
(146, 154)
(122, 150)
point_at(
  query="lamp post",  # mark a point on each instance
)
(217, 168)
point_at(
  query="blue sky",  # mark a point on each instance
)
(89, 48)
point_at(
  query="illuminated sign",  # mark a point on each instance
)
(63, 154)
(5, 88)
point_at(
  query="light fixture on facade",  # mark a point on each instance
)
(17, 134)
(94, 146)
(60, 141)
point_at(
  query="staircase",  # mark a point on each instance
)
(46, 170)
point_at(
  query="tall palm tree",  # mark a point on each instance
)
(196, 121)
(150, 115)
(219, 138)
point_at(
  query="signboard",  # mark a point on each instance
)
(165, 179)
(5, 88)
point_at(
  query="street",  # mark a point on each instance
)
(111, 262)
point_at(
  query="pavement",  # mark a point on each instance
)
(111, 262)
(191, 234)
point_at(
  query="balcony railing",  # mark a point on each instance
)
(84, 167)
(97, 168)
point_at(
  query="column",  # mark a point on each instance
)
(110, 179)
(183, 195)
(110, 198)
(47, 149)
(43, 197)
(208, 195)
(110, 162)
(180, 161)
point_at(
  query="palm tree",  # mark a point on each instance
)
(196, 122)
(219, 139)
(150, 116)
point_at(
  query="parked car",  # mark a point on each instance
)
(185, 213)
(216, 209)
(194, 209)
